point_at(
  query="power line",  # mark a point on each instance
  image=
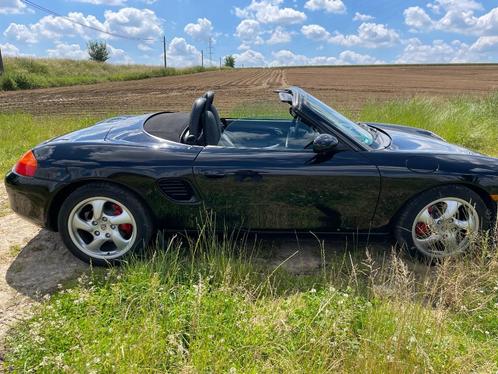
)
(210, 50)
(43, 9)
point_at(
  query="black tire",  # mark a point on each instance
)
(144, 225)
(404, 222)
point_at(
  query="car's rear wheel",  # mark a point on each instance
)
(442, 222)
(102, 223)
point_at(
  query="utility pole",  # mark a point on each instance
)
(220, 63)
(210, 44)
(164, 50)
(202, 58)
(1, 62)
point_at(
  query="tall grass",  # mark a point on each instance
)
(470, 122)
(211, 303)
(25, 73)
(203, 304)
(20, 132)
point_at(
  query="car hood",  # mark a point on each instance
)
(411, 139)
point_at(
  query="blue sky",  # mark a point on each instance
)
(257, 32)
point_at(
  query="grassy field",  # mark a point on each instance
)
(25, 73)
(209, 304)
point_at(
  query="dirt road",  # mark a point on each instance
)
(344, 87)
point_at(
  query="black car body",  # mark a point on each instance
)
(269, 178)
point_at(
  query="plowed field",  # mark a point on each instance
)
(344, 87)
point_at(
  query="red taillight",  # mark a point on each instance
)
(26, 165)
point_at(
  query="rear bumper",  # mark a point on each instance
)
(29, 197)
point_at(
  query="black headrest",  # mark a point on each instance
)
(209, 99)
(195, 127)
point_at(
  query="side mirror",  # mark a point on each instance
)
(324, 143)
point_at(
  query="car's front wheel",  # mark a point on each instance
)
(442, 222)
(102, 223)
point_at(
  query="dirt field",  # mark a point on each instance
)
(344, 87)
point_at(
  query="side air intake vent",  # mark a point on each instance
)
(177, 189)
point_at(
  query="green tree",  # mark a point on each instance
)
(230, 61)
(98, 51)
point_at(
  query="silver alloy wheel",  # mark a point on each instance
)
(445, 227)
(102, 228)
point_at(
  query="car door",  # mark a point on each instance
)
(287, 188)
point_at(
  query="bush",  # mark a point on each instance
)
(8, 83)
(23, 81)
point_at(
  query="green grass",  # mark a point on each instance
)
(25, 73)
(204, 305)
(211, 304)
(20, 132)
(470, 122)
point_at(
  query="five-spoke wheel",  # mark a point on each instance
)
(102, 223)
(445, 227)
(102, 227)
(442, 222)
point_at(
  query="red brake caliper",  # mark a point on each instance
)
(422, 229)
(125, 228)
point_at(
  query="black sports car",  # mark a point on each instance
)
(109, 187)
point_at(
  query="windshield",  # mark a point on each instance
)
(337, 119)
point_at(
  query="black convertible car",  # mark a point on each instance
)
(109, 187)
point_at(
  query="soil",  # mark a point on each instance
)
(344, 87)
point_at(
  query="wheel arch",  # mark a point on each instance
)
(490, 204)
(64, 192)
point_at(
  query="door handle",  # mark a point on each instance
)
(213, 173)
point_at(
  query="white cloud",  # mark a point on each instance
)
(353, 58)
(279, 36)
(484, 49)
(10, 50)
(417, 18)
(12, 7)
(288, 58)
(458, 16)
(249, 58)
(180, 53)
(20, 33)
(486, 44)
(144, 47)
(362, 17)
(102, 2)
(329, 6)
(200, 30)
(64, 50)
(269, 11)
(119, 56)
(370, 35)
(133, 22)
(55, 28)
(130, 22)
(315, 32)
(249, 32)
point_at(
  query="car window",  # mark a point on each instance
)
(268, 134)
(300, 135)
(338, 120)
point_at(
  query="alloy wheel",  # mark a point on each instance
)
(102, 228)
(445, 227)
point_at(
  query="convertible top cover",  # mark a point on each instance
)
(166, 125)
